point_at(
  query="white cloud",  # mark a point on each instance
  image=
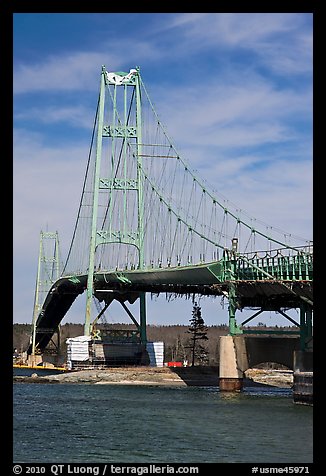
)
(47, 188)
(77, 70)
(278, 193)
(280, 41)
(241, 112)
(236, 136)
(78, 116)
(80, 70)
(208, 127)
(47, 185)
(249, 29)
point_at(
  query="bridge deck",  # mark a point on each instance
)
(205, 279)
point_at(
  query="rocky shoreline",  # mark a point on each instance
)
(187, 376)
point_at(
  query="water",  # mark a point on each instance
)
(71, 423)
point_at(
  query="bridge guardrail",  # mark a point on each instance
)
(272, 265)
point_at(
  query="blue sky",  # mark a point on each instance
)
(234, 92)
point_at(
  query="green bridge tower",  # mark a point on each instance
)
(117, 177)
(48, 272)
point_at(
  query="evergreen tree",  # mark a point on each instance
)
(198, 332)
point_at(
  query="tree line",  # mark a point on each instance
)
(179, 342)
(195, 343)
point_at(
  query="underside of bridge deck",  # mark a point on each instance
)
(266, 294)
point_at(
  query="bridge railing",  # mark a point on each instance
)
(281, 264)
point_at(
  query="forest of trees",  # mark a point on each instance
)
(176, 339)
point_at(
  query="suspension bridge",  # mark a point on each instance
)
(147, 223)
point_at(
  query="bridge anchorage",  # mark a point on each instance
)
(147, 223)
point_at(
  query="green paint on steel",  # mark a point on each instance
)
(118, 130)
(48, 266)
(90, 278)
(286, 268)
(121, 277)
(305, 325)
(140, 178)
(217, 270)
(142, 312)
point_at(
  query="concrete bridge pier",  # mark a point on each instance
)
(233, 363)
(239, 353)
(33, 360)
(303, 377)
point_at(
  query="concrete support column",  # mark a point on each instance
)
(34, 360)
(231, 371)
(303, 377)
